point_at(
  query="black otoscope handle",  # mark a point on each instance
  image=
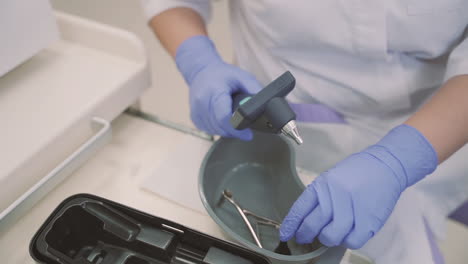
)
(268, 108)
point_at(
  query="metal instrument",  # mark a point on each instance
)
(227, 195)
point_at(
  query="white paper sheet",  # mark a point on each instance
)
(176, 177)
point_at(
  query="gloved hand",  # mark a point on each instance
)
(212, 82)
(349, 203)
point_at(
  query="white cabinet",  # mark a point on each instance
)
(26, 27)
(56, 107)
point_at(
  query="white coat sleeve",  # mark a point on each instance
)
(458, 59)
(155, 7)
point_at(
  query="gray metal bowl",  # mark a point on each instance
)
(262, 177)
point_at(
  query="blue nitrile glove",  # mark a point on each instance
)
(212, 82)
(349, 203)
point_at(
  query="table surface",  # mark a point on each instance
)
(115, 173)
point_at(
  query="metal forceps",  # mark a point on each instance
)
(227, 195)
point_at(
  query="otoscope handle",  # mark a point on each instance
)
(249, 111)
(239, 99)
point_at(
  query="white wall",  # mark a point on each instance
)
(168, 98)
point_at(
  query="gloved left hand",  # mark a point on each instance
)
(212, 83)
(349, 203)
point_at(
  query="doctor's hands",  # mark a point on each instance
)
(349, 203)
(212, 82)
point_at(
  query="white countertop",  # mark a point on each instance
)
(115, 173)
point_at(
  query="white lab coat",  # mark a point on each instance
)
(375, 62)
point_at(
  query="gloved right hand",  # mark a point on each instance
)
(349, 203)
(212, 83)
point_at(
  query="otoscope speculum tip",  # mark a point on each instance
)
(290, 130)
